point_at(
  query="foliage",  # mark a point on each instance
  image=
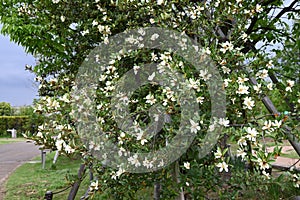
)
(20, 123)
(34, 119)
(5, 109)
(24, 120)
(62, 34)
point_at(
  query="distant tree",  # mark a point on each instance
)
(34, 119)
(5, 109)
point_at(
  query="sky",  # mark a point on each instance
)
(17, 86)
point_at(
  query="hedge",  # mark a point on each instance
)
(21, 123)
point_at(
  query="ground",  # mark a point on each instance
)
(13, 155)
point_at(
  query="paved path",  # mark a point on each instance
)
(286, 162)
(13, 155)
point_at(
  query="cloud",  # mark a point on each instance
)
(16, 84)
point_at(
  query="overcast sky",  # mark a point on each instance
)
(16, 84)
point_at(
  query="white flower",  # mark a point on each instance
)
(252, 133)
(244, 36)
(120, 172)
(223, 62)
(150, 99)
(136, 69)
(263, 164)
(169, 93)
(139, 134)
(243, 89)
(187, 165)
(53, 104)
(248, 102)
(65, 98)
(277, 124)
(154, 57)
(217, 3)
(262, 74)
(296, 180)
(151, 77)
(270, 86)
(226, 82)
(147, 163)
(39, 134)
(134, 160)
(290, 85)
(226, 70)
(195, 126)
(200, 100)
(241, 153)
(143, 141)
(223, 166)
(224, 122)
(269, 64)
(161, 163)
(268, 126)
(207, 51)
(94, 186)
(233, 100)
(258, 8)
(69, 149)
(160, 2)
(122, 135)
(193, 84)
(154, 36)
(218, 154)
(204, 75)
(95, 23)
(60, 144)
(152, 21)
(242, 80)
(62, 18)
(242, 141)
(257, 88)
(83, 33)
(226, 46)
(55, 1)
(267, 175)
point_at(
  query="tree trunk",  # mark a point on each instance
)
(76, 185)
(177, 179)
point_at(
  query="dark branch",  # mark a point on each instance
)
(285, 10)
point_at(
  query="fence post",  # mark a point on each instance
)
(43, 155)
(49, 195)
(76, 185)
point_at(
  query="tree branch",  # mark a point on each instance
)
(285, 10)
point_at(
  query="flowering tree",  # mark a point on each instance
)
(63, 35)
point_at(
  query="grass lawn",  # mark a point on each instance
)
(11, 140)
(30, 181)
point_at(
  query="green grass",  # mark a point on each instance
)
(11, 140)
(30, 181)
